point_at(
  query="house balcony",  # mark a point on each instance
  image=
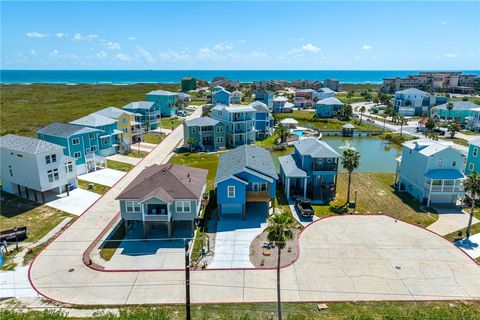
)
(445, 188)
(156, 217)
(258, 196)
(324, 167)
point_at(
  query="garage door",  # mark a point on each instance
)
(231, 208)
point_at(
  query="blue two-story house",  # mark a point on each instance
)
(239, 123)
(264, 120)
(79, 142)
(265, 96)
(326, 108)
(165, 101)
(311, 171)
(245, 176)
(146, 112)
(221, 96)
(110, 138)
(431, 171)
(473, 157)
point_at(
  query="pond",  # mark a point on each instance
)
(376, 154)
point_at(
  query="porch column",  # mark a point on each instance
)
(43, 197)
(305, 187)
(35, 195)
(19, 190)
(125, 223)
(145, 230)
(193, 228)
(67, 189)
(430, 193)
(26, 192)
(244, 212)
(443, 184)
(169, 226)
(288, 188)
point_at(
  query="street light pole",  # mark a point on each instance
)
(187, 282)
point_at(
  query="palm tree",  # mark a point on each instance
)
(362, 111)
(452, 129)
(350, 161)
(472, 185)
(279, 230)
(449, 108)
(191, 141)
(282, 132)
(402, 121)
(384, 116)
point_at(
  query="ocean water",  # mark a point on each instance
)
(174, 76)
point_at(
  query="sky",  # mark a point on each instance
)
(323, 35)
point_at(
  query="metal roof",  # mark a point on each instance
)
(27, 144)
(290, 167)
(330, 101)
(459, 105)
(315, 148)
(444, 174)
(162, 93)
(64, 130)
(259, 106)
(139, 105)
(201, 122)
(94, 120)
(112, 112)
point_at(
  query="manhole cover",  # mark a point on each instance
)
(398, 268)
(71, 270)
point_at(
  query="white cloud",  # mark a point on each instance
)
(35, 34)
(173, 56)
(58, 55)
(61, 35)
(142, 52)
(310, 48)
(223, 46)
(132, 38)
(101, 54)
(451, 55)
(113, 46)
(366, 47)
(122, 57)
(33, 53)
(444, 22)
(206, 54)
(88, 37)
(447, 56)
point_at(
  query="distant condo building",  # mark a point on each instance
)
(332, 84)
(455, 82)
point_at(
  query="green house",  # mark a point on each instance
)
(189, 84)
(204, 133)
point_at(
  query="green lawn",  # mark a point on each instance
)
(39, 219)
(122, 166)
(307, 118)
(135, 153)
(375, 194)
(97, 188)
(396, 138)
(207, 161)
(153, 138)
(474, 230)
(376, 310)
(459, 141)
(171, 123)
(25, 108)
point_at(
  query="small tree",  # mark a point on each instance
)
(431, 134)
(345, 112)
(453, 128)
(472, 185)
(350, 161)
(449, 108)
(430, 124)
(362, 111)
(279, 230)
(282, 132)
(191, 141)
(402, 121)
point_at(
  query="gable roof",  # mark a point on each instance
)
(263, 91)
(139, 105)
(168, 182)
(280, 99)
(459, 105)
(290, 166)
(325, 90)
(428, 147)
(201, 122)
(27, 144)
(112, 112)
(259, 106)
(330, 101)
(162, 93)
(221, 91)
(412, 91)
(64, 130)
(475, 143)
(315, 148)
(94, 120)
(245, 157)
(236, 108)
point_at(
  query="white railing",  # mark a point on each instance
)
(156, 217)
(445, 188)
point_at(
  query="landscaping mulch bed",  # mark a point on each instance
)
(289, 253)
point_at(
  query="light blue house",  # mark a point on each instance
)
(326, 108)
(311, 171)
(281, 105)
(110, 139)
(473, 158)
(264, 120)
(431, 171)
(413, 101)
(462, 111)
(324, 93)
(264, 96)
(79, 142)
(204, 133)
(165, 101)
(146, 112)
(221, 96)
(245, 176)
(239, 122)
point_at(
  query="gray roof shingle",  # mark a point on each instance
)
(139, 105)
(64, 130)
(330, 101)
(315, 148)
(244, 157)
(459, 105)
(290, 167)
(94, 120)
(201, 122)
(27, 144)
(112, 112)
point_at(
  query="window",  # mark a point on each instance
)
(19, 155)
(125, 130)
(75, 141)
(194, 129)
(77, 155)
(47, 159)
(93, 148)
(10, 171)
(50, 175)
(475, 151)
(454, 163)
(231, 191)
(105, 140)
(219, 129)
(470, 166)
(55, 175)
(54, 158)
(124, 120)
(439, 162)
(263, 186)
(91, 136)
(182, 206)
(132, 206)
(219, 140)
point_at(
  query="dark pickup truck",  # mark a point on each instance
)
(304, 207)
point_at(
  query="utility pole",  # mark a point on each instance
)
(187, 281)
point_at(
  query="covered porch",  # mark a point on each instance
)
(444, 186)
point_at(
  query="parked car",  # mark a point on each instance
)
(439, 131)
(370, 120)
(304, 207)
(181, 113)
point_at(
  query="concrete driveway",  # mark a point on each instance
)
(76, 203)
(450, 219)
(107, 177)
(234, 236)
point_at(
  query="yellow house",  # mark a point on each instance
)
(132, 130)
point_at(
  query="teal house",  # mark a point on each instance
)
(221, 96)
(165, 101)
(110, 138)
(245, 181)
(146, 112)
(311, 171)
(461, 111)
(473, 158)
(265, 96)
(79, 142)
(204, 133)
(326, 108)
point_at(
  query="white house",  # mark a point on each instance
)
(30, 167)
(413, 101)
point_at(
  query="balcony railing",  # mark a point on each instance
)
(156, 217)
(258, 196)
(324, 167)
(445, 188)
